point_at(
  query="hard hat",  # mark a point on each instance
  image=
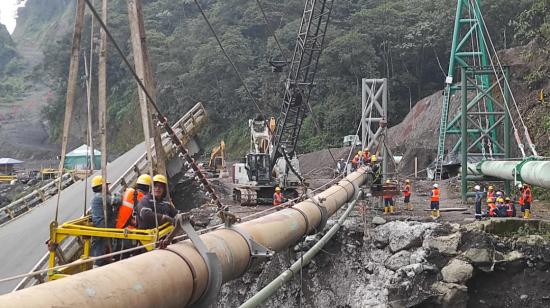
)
(436, 185)
(144, 179)
(359, 152)
(520, 186)
(525, 185)
(507, 199)
(500, 200)
(388, 181)
(499, 193)
(490, 187)
(477, 187)
(366, 150)
(490, 200)
(407, 181)
(97, 181)
(373, 158)
(277, 188)
(159, 178)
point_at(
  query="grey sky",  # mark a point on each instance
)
(8, 12)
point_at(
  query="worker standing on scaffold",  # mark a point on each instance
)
(165, 211)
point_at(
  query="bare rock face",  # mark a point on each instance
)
(457, 271)
(398, 260)
(406, 235)
(447, 245)
(478, 255)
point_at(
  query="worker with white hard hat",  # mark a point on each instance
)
(478, 198)
(434, 201)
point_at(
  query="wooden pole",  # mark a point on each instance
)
(415, 167)
(71, 89)
(102, 95)
(135, 16)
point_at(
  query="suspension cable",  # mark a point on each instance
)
(506, 82)
(283, 53)
(227, 56)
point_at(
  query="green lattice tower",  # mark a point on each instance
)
(468, 50)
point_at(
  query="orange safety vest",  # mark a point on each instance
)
(492, 208)
(127, 208)
(388, 197)
(355, 159)
(527, 196)
(407, 191)
(510, 209)
(491, 195)
(435, 194)
(277, 198)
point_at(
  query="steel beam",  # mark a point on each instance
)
(177, 276)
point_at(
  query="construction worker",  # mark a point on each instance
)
(500, 207)
(366, 156)
(492, 207)
(434, 204)
(479, 197)
(527, 198)
(278, 196)
(156, 202)
(510, 207)
(491, 193)
(407, 195)
(341, 166)
(520, 199)
(356, 161)
(131, 197)
(99, 245)
(388, 201)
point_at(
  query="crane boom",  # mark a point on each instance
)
(309, 44)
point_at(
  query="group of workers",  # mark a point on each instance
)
(145, 206)
(499, 205)
(362, 158)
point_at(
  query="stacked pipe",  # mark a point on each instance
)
(178, 276)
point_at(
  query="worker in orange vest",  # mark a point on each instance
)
(527, 198)
(131, 197)
(491, 193)
(434, 204)
(511, 209)
(388, 201)
(366, 156)
(407, 194)
(278, 196)
(356, 161)
(492, 207)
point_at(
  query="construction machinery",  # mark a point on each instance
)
(216, 163)
(272, 158)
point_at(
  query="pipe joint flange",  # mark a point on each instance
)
(257, 250)
(210, 294)
(356, 189)
(518, 167)
(323, 211)
(306, 220)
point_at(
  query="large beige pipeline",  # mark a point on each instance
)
(178, 276)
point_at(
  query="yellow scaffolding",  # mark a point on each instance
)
(84, 229)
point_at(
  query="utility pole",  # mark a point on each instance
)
(143, 70)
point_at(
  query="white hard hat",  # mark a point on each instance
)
(477, 187)
(436, 185)
(519, 185)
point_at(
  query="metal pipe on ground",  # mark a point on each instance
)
(178, 276)
(278, 282)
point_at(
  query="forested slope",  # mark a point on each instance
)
(406, 41)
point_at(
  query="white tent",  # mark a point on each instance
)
(81, 157)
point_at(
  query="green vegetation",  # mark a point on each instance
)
(406, 41)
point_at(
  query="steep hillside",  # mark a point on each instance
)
(7, 48)
(418, 133)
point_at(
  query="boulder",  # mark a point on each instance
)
(418, 256)
(457, 271)
(381, 235)
(405, 236)
(451, 295)
(377, 220)
(398, 260)
(478, 255)
(447, 245)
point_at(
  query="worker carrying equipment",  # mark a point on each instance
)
(434, 201)
(278, 196)
(407, 195)
(130, 198)
(156, 202)
(388, 201)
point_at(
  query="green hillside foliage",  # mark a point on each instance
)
(11, 85)
(406, 41)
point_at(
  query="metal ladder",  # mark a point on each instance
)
(442, 134)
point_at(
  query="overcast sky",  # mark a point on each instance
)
(8, 11)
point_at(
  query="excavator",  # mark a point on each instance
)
(216, 163)
(272, 159)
